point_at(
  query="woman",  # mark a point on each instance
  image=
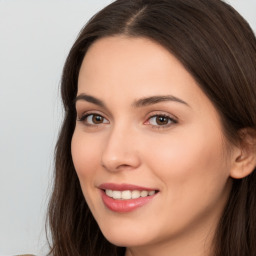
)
(157, 152)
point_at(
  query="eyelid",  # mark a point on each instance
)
(83, 107)
(85, 115)
(173, 119)
(82, 113)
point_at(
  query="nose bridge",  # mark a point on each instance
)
(120, 150)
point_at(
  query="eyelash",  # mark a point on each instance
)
(171, 121)
(84, 117)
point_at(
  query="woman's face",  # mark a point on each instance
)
(148, 137)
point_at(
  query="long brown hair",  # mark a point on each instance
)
(217, 46)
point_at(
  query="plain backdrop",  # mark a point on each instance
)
(35, 38)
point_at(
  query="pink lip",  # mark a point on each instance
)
(123, 206)
(124, 186)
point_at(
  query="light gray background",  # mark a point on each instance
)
(35, 37)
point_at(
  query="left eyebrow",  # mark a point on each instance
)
(156, 99)
(91, 99)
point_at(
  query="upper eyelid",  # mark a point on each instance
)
(161, 113)
(173, 120)
(90, 112)
(81, 111)
(86, 114)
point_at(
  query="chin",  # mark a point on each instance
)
(126, 241)
(126, 238)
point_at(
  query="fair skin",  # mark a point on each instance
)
(174, 146)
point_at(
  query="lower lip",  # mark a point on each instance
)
(129, 205)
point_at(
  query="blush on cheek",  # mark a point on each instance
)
(78, 152)
(184, 156)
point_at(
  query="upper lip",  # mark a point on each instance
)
(124, 186)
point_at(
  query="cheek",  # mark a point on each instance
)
(194, 177)
(85, 155)
(190, 162)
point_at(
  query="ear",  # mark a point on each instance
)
(244, 155)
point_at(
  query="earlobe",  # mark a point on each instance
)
(245, 159)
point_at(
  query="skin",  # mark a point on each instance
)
(185, 159)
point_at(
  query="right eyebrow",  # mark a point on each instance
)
(157, 99)
(90, 99)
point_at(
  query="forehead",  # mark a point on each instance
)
(131, 63)
(123, 68)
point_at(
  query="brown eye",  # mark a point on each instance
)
(161, 120)
(93, 119)
(97, 119)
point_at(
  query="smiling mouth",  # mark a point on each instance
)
(128, 194)
(124, 198)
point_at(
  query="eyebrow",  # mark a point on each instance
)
(137, 103)
(90, 99)
(156, 99)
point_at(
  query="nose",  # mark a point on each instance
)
(120, 151)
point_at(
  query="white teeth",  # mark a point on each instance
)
(128, 194)
(135, 194)
(144, 193)
(151, 193)
(109, 192)
(116, 194)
